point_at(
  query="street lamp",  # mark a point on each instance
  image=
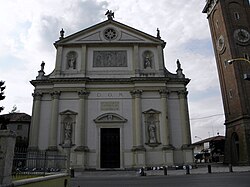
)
(246, 76)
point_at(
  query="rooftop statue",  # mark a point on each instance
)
(110, 14)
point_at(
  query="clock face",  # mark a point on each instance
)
(242, 35)
(220, 43)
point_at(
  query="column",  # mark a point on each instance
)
(137, 118)
(35, 121)
(184, 115)
(80, 126)
(54, 121)
(164, 119)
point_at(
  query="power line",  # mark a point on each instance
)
(205, 117)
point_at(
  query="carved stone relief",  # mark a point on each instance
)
(110, 59)
(71, 60)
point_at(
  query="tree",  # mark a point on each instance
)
(2, 87)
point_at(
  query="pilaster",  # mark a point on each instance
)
(35, 121)
(58, 60)
(184, 116)
(136, 60)
(80, 126)
(83, 60)
(137, 118)
(54, 121)
(164, 120)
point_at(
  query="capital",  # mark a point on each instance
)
(55, 94)
(164, 93)
(136, 93)
(83, 94)
(182, 94)
(37, 95)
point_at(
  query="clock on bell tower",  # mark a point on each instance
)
(229, 22)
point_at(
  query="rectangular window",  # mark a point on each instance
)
(19, 127)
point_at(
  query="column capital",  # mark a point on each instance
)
(164, 92)
(37, 95)
(55, 94)
(136, 93)
(83, 94)
(182, 94)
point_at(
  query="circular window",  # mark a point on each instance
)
(110, 34)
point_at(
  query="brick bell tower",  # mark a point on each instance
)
(229, 22)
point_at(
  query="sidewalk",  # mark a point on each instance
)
(203, 169)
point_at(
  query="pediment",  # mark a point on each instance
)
(110, 118)
(68, 112)
(100, 33)
(151, 111)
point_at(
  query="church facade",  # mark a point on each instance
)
(111, 101)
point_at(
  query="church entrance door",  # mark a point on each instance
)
(110, 148)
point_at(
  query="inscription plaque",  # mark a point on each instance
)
(110, 59)
(109, 106)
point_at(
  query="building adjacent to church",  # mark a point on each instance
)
(111, 99)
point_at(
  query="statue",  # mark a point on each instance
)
(42, 66)
(158, 34)
(67, 133)
(148, 57)
(178, 64)
(152, 132)
(110, 14)
(61, 34)
(71, 60)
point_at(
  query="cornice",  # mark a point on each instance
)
(87, 80)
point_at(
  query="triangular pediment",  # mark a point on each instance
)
(110, 118)
(151, 111)
(68, 112)
(109, 31)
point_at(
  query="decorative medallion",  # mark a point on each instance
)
(110, 34)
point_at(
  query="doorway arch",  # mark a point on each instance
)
(235, 148)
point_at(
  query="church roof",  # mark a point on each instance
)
(17, 117)
(94, 34)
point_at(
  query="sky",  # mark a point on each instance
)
(29, 28)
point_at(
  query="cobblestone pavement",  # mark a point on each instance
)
(203, 169)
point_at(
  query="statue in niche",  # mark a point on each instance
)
(152, 131)
(71, 60)
(67, 132)
(148, 59)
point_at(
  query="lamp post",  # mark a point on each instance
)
(230, 61)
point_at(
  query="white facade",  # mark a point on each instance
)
(111, 99)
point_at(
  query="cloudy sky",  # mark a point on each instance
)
(29, 28)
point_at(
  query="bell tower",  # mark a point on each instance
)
(229, 22)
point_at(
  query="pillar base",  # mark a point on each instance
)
(168, 155)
